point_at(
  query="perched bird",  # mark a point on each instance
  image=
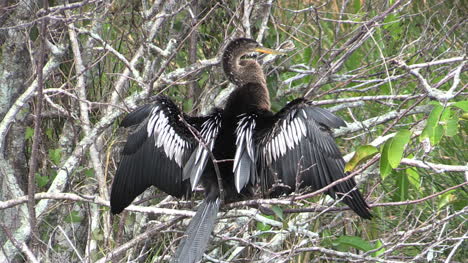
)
(253, 147)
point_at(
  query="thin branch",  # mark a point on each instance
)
(36, 136)
(137, 240)
(439, 168)
(19, 245)
(10, 116)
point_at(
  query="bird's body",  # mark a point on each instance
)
(252, 147)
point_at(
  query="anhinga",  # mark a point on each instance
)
(277, 152)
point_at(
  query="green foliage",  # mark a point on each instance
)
(402, 184)
(392, 152)
(55, 155)
(443, 121)
(343, 243)
(362, 154)
(89, 172)
(73, 217)
(28, 133)
(278, 211)
(262, 226)
(41, 181)
(445, 199)
(462, 105)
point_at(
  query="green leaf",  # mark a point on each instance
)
(379, 252)
(73, 217)
(397, 147)
(188, 105)
(357, 6)
(50, 133)
(41, 181)
(460, 203)
(278, 211)
(461, 104)
(362, 154)
(446, 198)
(89, 172)
(392, 152)
(438, 132)
(385, 167)
(464, 116)
(262, 226)
(55, 155)
(355, 242)
(402, 185)
(28, 134)
(451, 127)
(33, 33)
(393, 26)
(353, 61)
(414, 178)
(433, 129)
(307, 54)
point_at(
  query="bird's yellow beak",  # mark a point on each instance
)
(268, 51)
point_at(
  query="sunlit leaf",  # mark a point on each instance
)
(362, 154)
(397, 147)
(461, 104)
(262, 226)
(379, 252)
(433, 129)
(385, 167)
(451, 127)
(392, 152)
(446, 198)
(414, 178)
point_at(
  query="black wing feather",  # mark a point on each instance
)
(137, 116)
(245, 158)
(297, 149)
(155, 154)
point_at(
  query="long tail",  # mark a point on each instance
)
(196, 237)
(354, 199)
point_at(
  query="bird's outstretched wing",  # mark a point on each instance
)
(244, 166)
(296, 149)
(156, 153)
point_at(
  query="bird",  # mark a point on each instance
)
(232, 151)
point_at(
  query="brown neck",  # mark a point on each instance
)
(250, 98)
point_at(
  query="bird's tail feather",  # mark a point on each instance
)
(196, 236)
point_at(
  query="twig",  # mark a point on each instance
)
(19, 245)
(347, 255)
(439, 168)
(36, 137)
(137, 240)
(454, 249)
(442, 96)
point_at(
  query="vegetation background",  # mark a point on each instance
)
(394, 70)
